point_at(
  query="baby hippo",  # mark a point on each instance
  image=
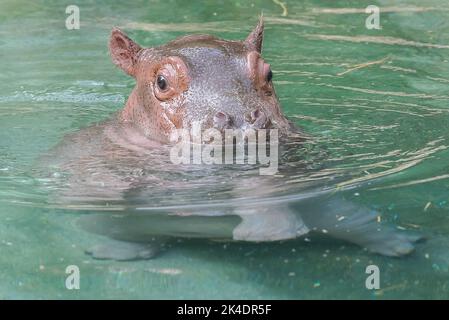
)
(223, 85)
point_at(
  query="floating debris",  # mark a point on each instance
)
(415, 226)
(168, 271)
(364, 65)
(392, 287)
(283, 6)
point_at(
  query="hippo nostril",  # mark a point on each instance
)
(221, 116)
(255, 114)
(262, 120)
(252, 116)
(248, 117)
(221, 120)
(256, 118)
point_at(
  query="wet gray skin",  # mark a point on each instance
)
(123, 161)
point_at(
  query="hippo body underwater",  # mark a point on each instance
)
(224, 84)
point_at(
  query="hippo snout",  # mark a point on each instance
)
(255, 119)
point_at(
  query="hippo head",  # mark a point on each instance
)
(224, 84)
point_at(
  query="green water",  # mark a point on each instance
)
(387, 120)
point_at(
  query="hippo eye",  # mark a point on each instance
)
(161, 82)
(269, 75)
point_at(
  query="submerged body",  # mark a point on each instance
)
(223, 85)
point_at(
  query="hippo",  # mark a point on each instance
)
(224, 85)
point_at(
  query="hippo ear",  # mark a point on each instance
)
(254, 41)
(124, 51)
